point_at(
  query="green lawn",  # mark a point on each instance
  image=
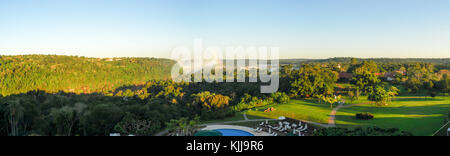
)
(419, 115)
(297, 109)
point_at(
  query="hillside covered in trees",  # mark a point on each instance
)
(51, 73)
(67, 95)
(439, 61)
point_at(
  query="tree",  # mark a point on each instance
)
(101, 119)
(66, 117)
(393, 91)
(332, 100)
(15, 113)
(319, 98)
(183, 126)
(280, 97)
(210, 100)
(445, 84)
(365, 80)
(352, 96)
(313, 80)
(414, 84)
(129, 125)
(380, 96)
(354, 61)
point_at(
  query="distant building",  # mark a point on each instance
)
(444, 71)
(390, 76)
(344, 75)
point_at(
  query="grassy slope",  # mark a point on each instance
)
(419, 115)
(297, 109)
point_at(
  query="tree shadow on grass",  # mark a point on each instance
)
(402, 110)
(416, 125)
(417, 99)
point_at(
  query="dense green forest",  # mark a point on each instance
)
(66, 95)
(51, 73)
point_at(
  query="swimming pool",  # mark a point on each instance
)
(233, 132)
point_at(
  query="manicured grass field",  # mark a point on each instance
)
(297, 109)
(418, 115)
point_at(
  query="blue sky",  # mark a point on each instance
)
(152, 28)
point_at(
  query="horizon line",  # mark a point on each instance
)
(294, 58)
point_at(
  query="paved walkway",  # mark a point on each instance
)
(239, 121)
(332, 119)
(245, 116)
(261, 120)
(221, 123)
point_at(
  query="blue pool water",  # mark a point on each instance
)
(233, 132)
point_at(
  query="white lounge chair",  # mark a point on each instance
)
(306, 127)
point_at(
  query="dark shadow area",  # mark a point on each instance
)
(405, 110)
(416, 99)
(416, 125)
(69, 114)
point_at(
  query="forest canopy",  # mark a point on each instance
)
(52, 73)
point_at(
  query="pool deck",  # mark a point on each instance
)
(247, 129)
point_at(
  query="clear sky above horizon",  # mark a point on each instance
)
(152, 28)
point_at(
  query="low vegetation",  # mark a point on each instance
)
(369, 131)
(364, 116)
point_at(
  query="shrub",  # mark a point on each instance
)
(249, 102)
(364, 116)
(368, 131)
(433, 94)
(280, 97)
